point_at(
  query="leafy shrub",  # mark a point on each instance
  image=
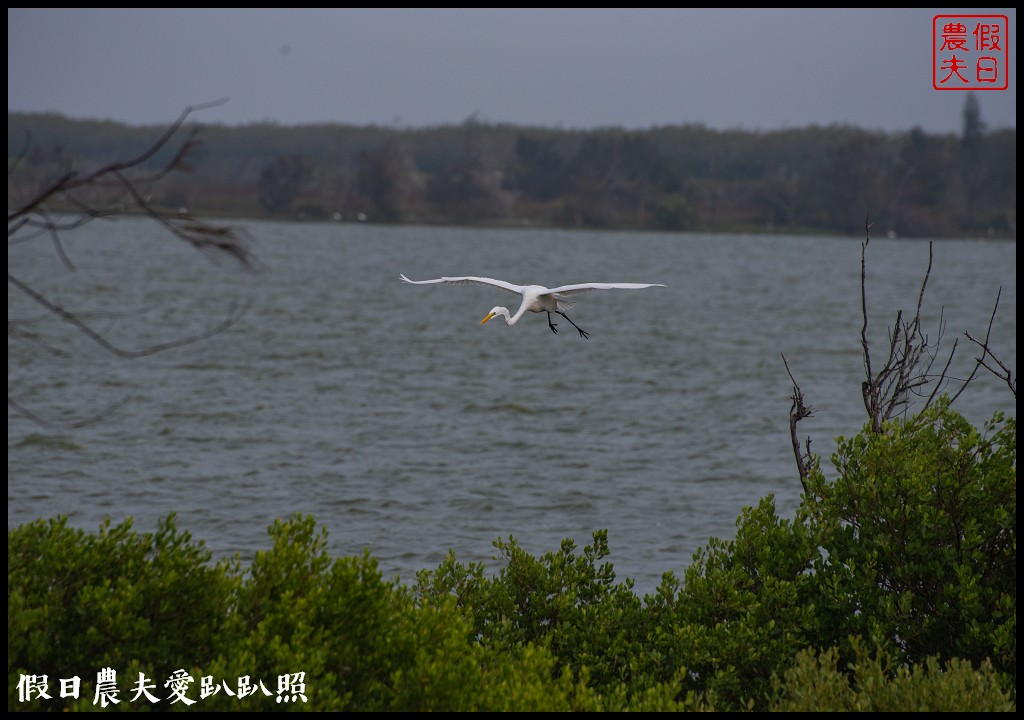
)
(919, 533)
(815, 683)
(911, 550)
(745, 608)
(78, 602)
(913, 546)
(566, 601)
(347, 639)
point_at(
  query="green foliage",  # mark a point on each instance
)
(566, 602)
(815, 683)
(153, 604)
(920, 538)
(910, 551)
(364, 645)
(746, 607)
(78, 602)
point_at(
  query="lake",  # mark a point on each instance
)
(387, 412)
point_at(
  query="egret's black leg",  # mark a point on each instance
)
(552, 325)
(583, 333)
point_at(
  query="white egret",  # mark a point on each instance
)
(536, 298)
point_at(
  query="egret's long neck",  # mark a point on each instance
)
(511, 320)
(515, 318)
(518, 313)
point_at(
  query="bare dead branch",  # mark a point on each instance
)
(233, 315)
(115, 177)
(865, 347)
(979, 362)
(12, 164)
(907, 369)
(157, 146)
(28, 414)
(112, 190)
(940, 383)
(1002, 372)
(225, 240)
(57, 186)
(797, 412)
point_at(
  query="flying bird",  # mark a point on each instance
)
(536, 298)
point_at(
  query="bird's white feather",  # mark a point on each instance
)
(536, 298)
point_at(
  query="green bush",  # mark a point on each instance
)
(815, 683)
(746, 607)
(567, 602)
(910, 550)
(153, 604)
(78, 602)
(919, 539)
(913, 546)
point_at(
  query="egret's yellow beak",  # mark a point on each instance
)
(489, 316)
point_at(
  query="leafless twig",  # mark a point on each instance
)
(911, 355)
(234, 313)
(797, 412)
(109, 191)
(907, 368)
(1002, 372)
(26, 413)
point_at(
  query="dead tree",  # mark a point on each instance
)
(983, 361)
(908, 368)
(797, 412)
(73, 199)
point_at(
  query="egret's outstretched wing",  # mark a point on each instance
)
(587, 287)
(469, 280)
(536, 298)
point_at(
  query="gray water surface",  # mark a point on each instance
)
(403, 426)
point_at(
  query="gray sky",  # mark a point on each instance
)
(570, 68)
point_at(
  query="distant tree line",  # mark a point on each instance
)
(686, 177)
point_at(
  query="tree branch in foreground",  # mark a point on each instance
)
(1003, 372)
(116, 189)
(797, 412)
(907, 368)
